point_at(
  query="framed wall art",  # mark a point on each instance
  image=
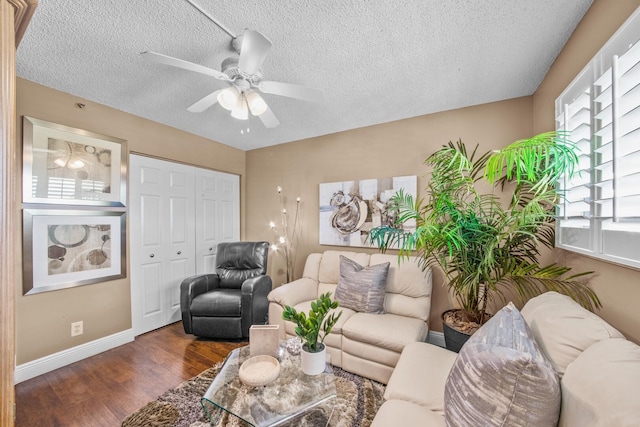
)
(349, 209)
(66, 248)
(65, 165)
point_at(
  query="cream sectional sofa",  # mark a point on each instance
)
(363, 343)
(598, 370)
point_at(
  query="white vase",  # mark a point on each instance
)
(313, 363)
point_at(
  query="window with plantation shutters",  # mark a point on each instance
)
(574, 212)
(599, 214)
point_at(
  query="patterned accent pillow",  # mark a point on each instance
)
(501, 378)
(362, 288)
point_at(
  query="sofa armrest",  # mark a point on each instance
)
(291, 293)
(295, 292)
(420, 375)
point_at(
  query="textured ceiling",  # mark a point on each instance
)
(377, 61)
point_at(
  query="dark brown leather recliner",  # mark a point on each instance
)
(227, 303)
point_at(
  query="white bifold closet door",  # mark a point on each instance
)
(217, 215)
(178, 215)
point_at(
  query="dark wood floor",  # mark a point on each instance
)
(104, 389)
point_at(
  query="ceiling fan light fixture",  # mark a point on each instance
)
(228, 98)
(257, 106)
(240, 111)
(74, 163)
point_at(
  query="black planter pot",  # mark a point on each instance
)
(453, 340)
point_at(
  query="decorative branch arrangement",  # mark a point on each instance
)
(286, 238)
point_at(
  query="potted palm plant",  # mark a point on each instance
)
(488, 246)
(312, 329)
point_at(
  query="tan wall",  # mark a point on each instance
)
(618, 287)
(392, 149)
(43, 321)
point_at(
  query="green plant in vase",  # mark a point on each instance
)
(485, 245)
(315, 326)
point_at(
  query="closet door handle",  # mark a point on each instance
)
(211, 248)
(151, 256)
(179, 252)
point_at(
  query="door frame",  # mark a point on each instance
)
(14, 19)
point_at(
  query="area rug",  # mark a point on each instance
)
(355, 405)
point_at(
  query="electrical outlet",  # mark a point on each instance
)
(76, 328)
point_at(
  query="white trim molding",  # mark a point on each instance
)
(32, 369)
(436, 338)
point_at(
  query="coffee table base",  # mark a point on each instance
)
(292, 396)
(319, 414)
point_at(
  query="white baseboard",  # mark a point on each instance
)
(32, 369)
(436, 338)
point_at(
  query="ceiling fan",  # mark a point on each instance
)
(244, 76)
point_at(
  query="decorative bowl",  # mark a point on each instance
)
(259, 370)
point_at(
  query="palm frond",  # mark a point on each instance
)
(541, 160)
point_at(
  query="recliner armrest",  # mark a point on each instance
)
(258, 284)
(190, 288)
(254, 301)
(195, 285)
(295, 292)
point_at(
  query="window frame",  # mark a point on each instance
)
(573, 234)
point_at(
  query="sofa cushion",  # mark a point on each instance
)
(408, 287)
(361, 288)
(387, 331)
(501, 377)
(563, 328)
(420, 375)
(329, 268)
(600, 388)
(402, 413)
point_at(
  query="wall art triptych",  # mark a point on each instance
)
(349, 209)
(74, 206)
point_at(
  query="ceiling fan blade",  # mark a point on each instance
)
(292, 91)
(269, 119)
(204, 103)
(180, 63)
(253, 51)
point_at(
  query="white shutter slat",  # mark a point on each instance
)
(630, 58)
(604, 131)
(630, 99)
(579, 179)
(629, 121)
(604, 98)
(581, 118)
(629, 143)
(630, 186)
(578, 195)
(629, 165)
(627, 207)
(604, 80)
(605, 146)
(605, 114)
(576, 210)
(582, 102)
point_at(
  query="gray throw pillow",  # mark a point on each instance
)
(501, 378)
(361, 288)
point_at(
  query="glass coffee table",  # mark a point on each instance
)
(290, 396)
